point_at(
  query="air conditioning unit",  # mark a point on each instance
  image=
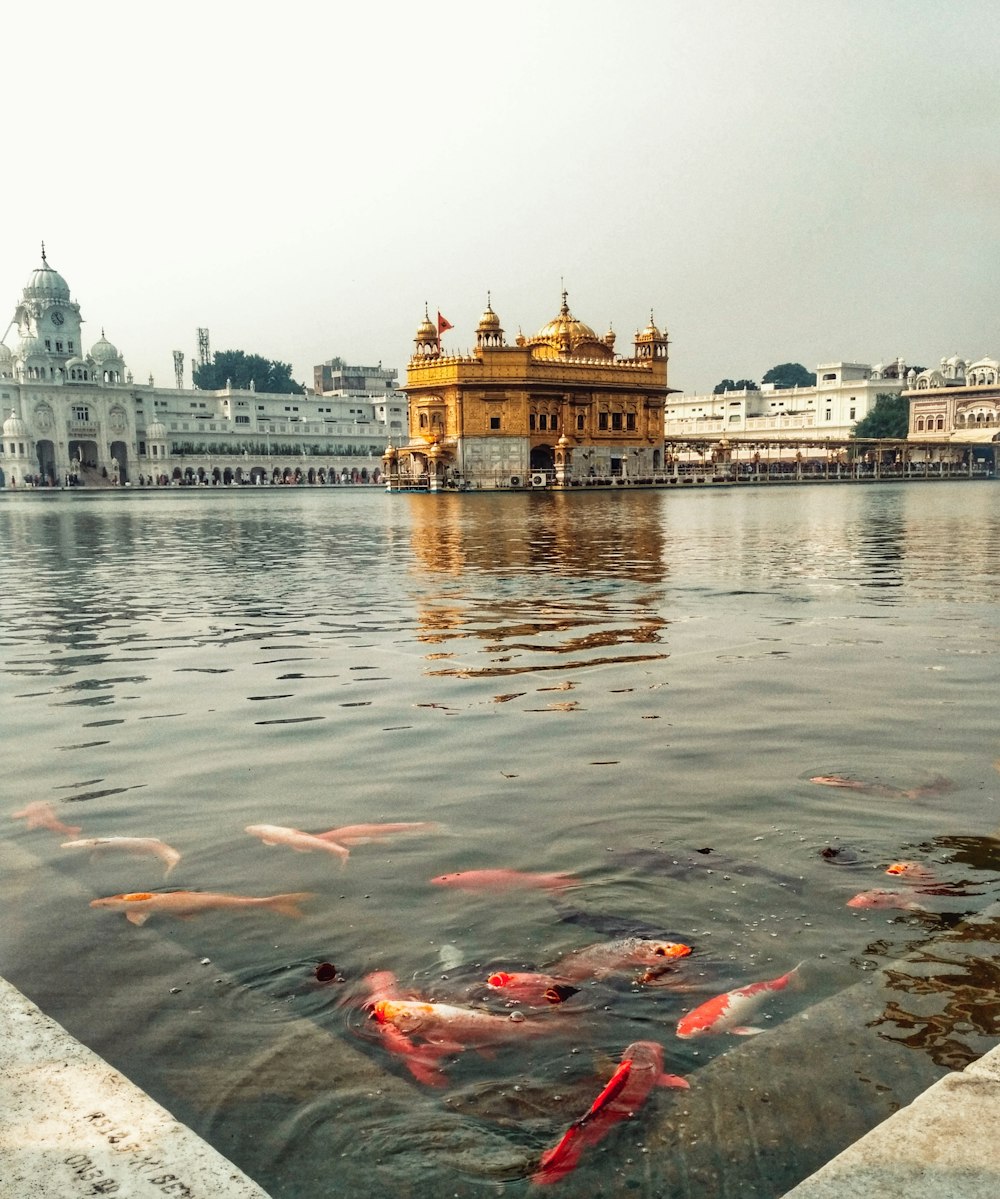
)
(515, 480)
(539, 479)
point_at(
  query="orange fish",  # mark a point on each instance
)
(454, 1028)
(134, 845)
(422, 1060)
(358, 834)
(729, 1011)
(41, 814)
(608, 957)
(878, 898)
(140, 905)
(536, 990)
(640, 1071)
(276, 834)
(912, 872)
(505, 880)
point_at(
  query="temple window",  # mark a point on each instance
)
(494, 422)
(630, 421)
(616, 420)
(602, 420)
(554, 422)
(542, 421)
(531, 421)
(580, 422)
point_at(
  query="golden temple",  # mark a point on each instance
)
(557, 409)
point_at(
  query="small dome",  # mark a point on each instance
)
(489, 322)
(6, 354)
(650, 333)
(75, 362)
(104, 351)
(13, 426)
(427, 331)
(156, 431)
(45, 283)
(28, 347)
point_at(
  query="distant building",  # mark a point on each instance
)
(78, 416)
(843, 394)
(957, 401)
(337, 378)
(559, 408)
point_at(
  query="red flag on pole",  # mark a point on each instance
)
(443, 325)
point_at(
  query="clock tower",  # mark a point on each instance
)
(48, 325)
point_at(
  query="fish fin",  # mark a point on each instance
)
(288, 905)
(672, 1080)
(744, 1030)
(613, 1086)
(561, 1158)
(137, 917)
(269, 841)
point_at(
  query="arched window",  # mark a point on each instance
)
(940, 422)
(920, 424)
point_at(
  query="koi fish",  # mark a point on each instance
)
(42, 814)
(537, 990)
(608, 957)
(359, 834)
(938, 786)
(276, 834)
(641, 1070)
(140, 905)
(453, 1028)
(912, 871)
(422, 1061)
(885, 899)
(134, 845)
(505, 880)
(727, 1012)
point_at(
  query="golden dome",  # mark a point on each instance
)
(427, 331)
(650, 333)
(489, 322)
(566, 335)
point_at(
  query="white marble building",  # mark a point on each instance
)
(78, 416)
(843, 394)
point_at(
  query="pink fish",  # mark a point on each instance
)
(422, 1060)
(42, 814)
(608, 957)
(138, 906)
(505, 880)
(878, 898)
(640, 1071)
(358, 834)
(536, 990)
(729, 1011)
(276, 834)
(913, 872)
(133, 845)
(938, 786)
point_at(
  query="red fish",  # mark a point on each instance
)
(729, 1011)
(607, 957)
(505, 880)
(41, 814)
(640, 1071)
(912, 872)
(885, 899)
(536, 990)
(422, 1061)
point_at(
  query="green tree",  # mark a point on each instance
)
(890, 417)
(737, 385)
(790, 374)
(239, 369)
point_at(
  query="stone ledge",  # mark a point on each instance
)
(73, 1127)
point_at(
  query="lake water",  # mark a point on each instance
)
(635, 688)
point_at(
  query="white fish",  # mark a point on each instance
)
(134, 845)
(276, 834)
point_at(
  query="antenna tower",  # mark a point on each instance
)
(204, 353)
(179, 368)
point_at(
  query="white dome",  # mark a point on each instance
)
(156, 431)
(104, 351)
(13, 426)
(28, 347)
(75, 362)
(45, 283)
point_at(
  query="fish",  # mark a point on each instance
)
(879, 898)
(359, 834)
(505, 880)
(640, 1070)
(536, 990)
(276, 834)
(133, 845)
(912, 871)
(138, 906)
(422, 1060)
(937, 786)
(454, 1028)
(42, 814)
(608, 957)
(729, 1011)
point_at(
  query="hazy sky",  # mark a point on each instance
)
(777, 180)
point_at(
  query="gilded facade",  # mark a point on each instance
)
(560, 408)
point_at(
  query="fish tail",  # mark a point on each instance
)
(288, 904)
(561, 1158)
